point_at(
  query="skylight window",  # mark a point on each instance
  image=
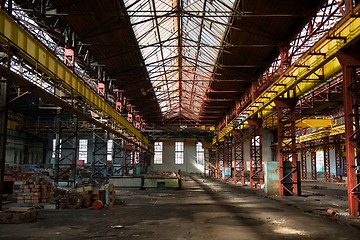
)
(180, 41)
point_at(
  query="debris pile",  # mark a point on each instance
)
(18, 215)
(31, 188)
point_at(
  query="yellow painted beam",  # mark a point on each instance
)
(38, 55)
(319, 65)
(321, 134)
(314, 122)
(205, 144)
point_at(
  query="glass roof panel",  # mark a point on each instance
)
(180, 42)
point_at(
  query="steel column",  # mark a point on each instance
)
(66, 148)
(206, 161)
(288, 169)
(220, 160)
(4, 99)
(118, 158)
(140, 157)
(326, 150)
(350, 62)
(128, 158)
(213, 163)
(303, 161)
(227, 156)
(303, 151)
(313, 160)
(99, 165)
(274, 153)
(338, 160)
(239, 163)
(146, 160)
(255, 132)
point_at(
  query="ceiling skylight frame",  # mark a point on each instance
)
(203, 24)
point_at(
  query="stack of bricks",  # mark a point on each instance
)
(11, 169)
(33, 190)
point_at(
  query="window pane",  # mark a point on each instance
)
(199, 153)
(54, 148)
(179, 153)
(110, 150)
(158, 152)
(179, 158)
(83, 147)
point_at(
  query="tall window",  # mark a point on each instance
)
(83, 148)
(179, 153)
(199, 153)
(320, 161)
(158, 147)
(54, 148)
(110, 149)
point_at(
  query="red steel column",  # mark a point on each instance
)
(213, 162)
(338, 160)
(206, 160)
(303, 161)
(326, 150)
(227, 156)
(239, 164)
(225, 163)
(256, 173)
(220, 159)
(313, 160)
(273, 153)
(287, 155)
(350, 62)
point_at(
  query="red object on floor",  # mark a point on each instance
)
(97, 204)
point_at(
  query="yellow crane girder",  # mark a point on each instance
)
(38, 56)
(320, 60)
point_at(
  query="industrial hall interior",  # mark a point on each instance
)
(179, 119)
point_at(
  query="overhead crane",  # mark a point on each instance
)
(321, 64)
(69, 91)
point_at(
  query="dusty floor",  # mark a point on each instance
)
(205, 209)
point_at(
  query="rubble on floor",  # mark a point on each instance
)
(18, 215)
(28, 189)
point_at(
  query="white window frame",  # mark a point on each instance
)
(200, 154)
(83, 150)
(179, 153)
(158, 148)
(54, 148)
(110, 150)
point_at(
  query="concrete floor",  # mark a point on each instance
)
(205, 209)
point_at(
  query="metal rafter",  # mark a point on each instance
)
(49, 78)
(194, 32)
(324, 31)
